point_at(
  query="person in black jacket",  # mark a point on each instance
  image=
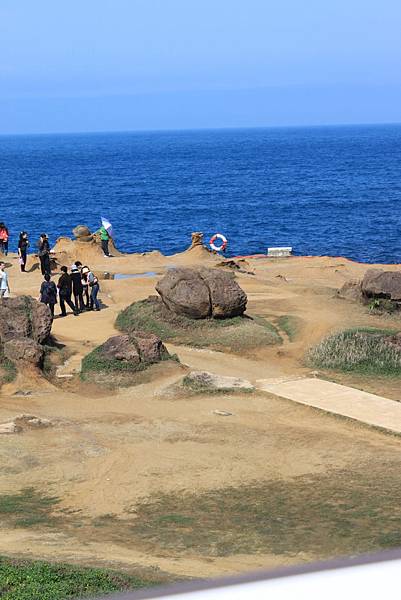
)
(77, 288)
(64, 291)
(44, 253)
(23, 244)
(48, 293)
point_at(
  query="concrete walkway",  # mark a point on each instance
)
(339, 400)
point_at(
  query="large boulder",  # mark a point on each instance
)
(202, 293)
(382, 284)
(24, 351)
(135, 348)
(24, 317)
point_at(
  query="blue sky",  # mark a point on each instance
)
(97, 65)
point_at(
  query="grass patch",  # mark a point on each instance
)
(350, 511)
(367, 351)
(8, 371)
(28, 508)
(235, 335)
(34, 580)
(290, 324)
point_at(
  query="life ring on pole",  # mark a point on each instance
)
(218, 236)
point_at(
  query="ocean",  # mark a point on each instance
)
(322, 190)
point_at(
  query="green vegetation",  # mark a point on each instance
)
(8, 371)
(27, 508)
(290, 324)
(36, 580)
(235, 335)
(383, 306)
(352, 510)
(366, 351)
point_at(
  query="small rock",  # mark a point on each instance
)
(32, 421)
(11, 427)
(212, 381)
(222, 413)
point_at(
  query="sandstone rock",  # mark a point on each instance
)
(24, 317)
(351, 290)
(7, 428)
(137, 347)
(227, 298)
(202, 293)
(184, 292)
(22, 422)
(196, 239)
(382, 284)
(151, 348)
(25, 350)
(212, 381)
(120, 347)
(82, 233)
(31, 422)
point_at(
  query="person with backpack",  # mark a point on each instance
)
(64, 291)
(77, 288)
(94, 288)
(44, 254)
(4, 237)
(23, 244)
(48, 293)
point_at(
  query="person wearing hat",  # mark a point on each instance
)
(77, 288)
(94, 288)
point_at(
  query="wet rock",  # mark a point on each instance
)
(382, 284)
(202, 293)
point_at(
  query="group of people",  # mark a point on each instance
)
(43, 247)
(77, 289)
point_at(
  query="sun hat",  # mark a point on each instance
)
(86, 270)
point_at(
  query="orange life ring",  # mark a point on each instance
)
(218, 236)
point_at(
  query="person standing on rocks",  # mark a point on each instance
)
(4, 237)
(48, 293)
(104, 239)
(77, 288)
(84, 283)
(94, 287)
(23, 244)
(44, 254)
(4, 285)
(65, 290)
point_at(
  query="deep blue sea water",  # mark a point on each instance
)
(322, 190)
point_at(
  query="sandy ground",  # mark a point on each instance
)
(108, 451)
